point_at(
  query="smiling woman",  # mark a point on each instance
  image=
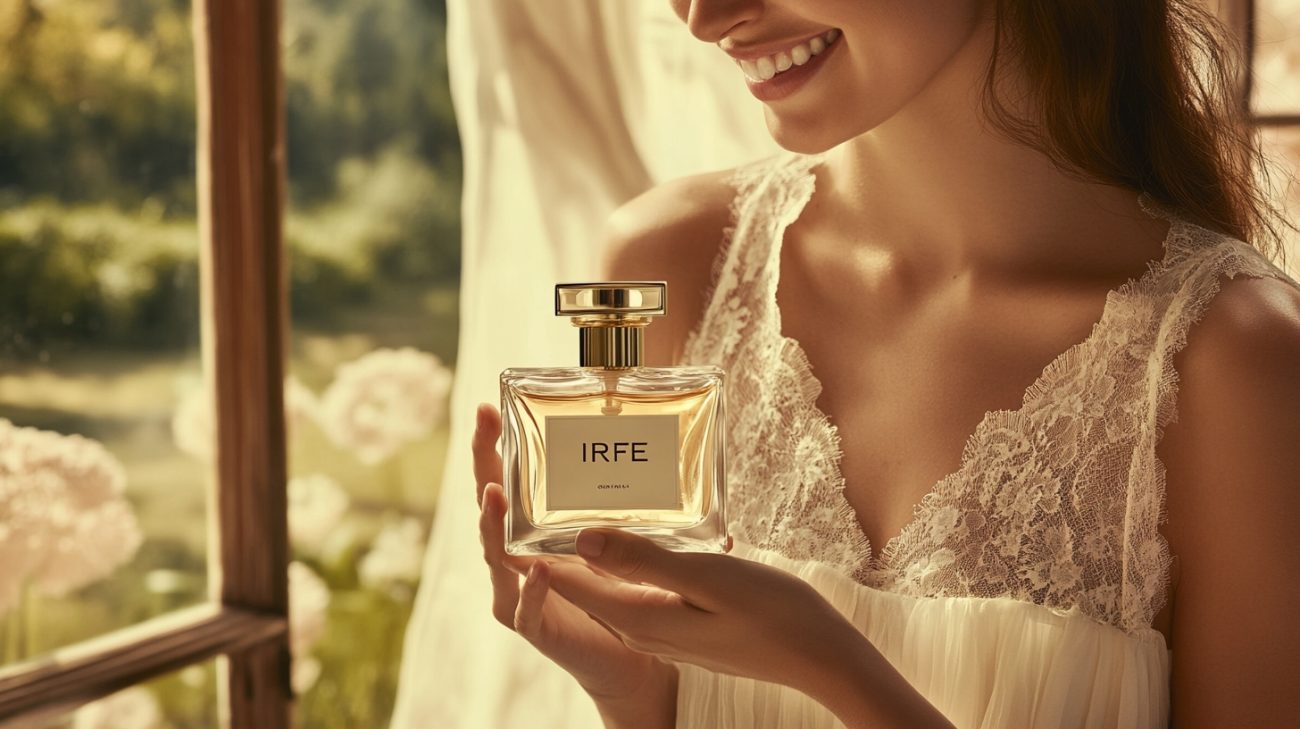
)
(999, 324)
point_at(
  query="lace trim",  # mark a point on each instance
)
(1233, 259)
(1055, 503)
(873, 566)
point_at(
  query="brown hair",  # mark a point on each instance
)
(1120, 100)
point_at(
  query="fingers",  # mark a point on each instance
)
(505, 581)
(633, 557)
(636, 612)
(487, 462)
(528, 614)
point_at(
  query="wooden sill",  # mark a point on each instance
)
(69, 677)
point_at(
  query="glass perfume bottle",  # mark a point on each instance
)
(612, 443)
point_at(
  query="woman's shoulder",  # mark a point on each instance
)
(1230, 462)
(677, 218)
(679, 224)
(671, 232)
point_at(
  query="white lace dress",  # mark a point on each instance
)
(1022, 592)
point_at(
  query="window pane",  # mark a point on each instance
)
(184, 699)
(102, 516)
(1277, 57)
(1283, 145)
(372, 230)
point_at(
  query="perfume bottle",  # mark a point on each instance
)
(612, 443)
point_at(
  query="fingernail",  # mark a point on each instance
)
(531, 579)
(590, 544)
(482, 414)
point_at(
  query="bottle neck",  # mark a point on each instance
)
(610, 346)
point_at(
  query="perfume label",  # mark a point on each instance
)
(611, 462)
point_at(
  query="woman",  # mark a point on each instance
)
(988, 324)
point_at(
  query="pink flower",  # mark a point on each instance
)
(316, 504)
(397, 555)
(383, 400)
(309, 598)
(135, 707)
(194, 428)
(64, 519)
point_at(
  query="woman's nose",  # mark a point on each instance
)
(711, 20)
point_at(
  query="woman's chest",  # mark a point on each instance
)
(907, 384)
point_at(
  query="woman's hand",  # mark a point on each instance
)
(736, 616)
(717, 611)
(628, 687)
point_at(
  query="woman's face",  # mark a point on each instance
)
(829, 70)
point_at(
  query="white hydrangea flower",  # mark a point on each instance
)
(383, 400)
(64, 518)
(316, 504)
(194, 427)
(135, 707)
(397, 555)
(306, 671)
(309, 598)
(300, 404)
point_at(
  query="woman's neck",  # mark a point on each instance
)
(935, 183)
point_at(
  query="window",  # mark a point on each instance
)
(239, 309)
(1273, 88)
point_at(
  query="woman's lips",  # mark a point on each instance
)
(780, 74)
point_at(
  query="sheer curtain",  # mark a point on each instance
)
(566, 110)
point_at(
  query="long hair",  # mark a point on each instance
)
(1141, 93)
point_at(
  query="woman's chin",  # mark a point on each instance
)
(803, 137)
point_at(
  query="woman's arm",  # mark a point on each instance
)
(738, 617)
(864, 690)
(1233, 490)
(653, 706)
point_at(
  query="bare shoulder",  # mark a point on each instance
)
(671, 232)
(1260, 311)
(1239, 376)
(1232, 461)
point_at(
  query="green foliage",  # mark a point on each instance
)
(94, 274)
(98, 260)
(97, 102)
(97, 146)
(360, 75)
(97, 97)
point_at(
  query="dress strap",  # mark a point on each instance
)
(1213, 259)
(769, 193)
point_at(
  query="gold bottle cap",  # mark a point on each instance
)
(611, 317)
(635, 298)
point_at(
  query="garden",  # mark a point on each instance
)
(104, 425)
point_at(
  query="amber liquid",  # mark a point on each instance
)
(611, 393)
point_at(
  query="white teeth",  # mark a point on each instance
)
(765, 68)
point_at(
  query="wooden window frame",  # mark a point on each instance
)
(241, 173)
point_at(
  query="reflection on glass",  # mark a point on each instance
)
(372, 230)
(102, 510)
(1277, 57)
